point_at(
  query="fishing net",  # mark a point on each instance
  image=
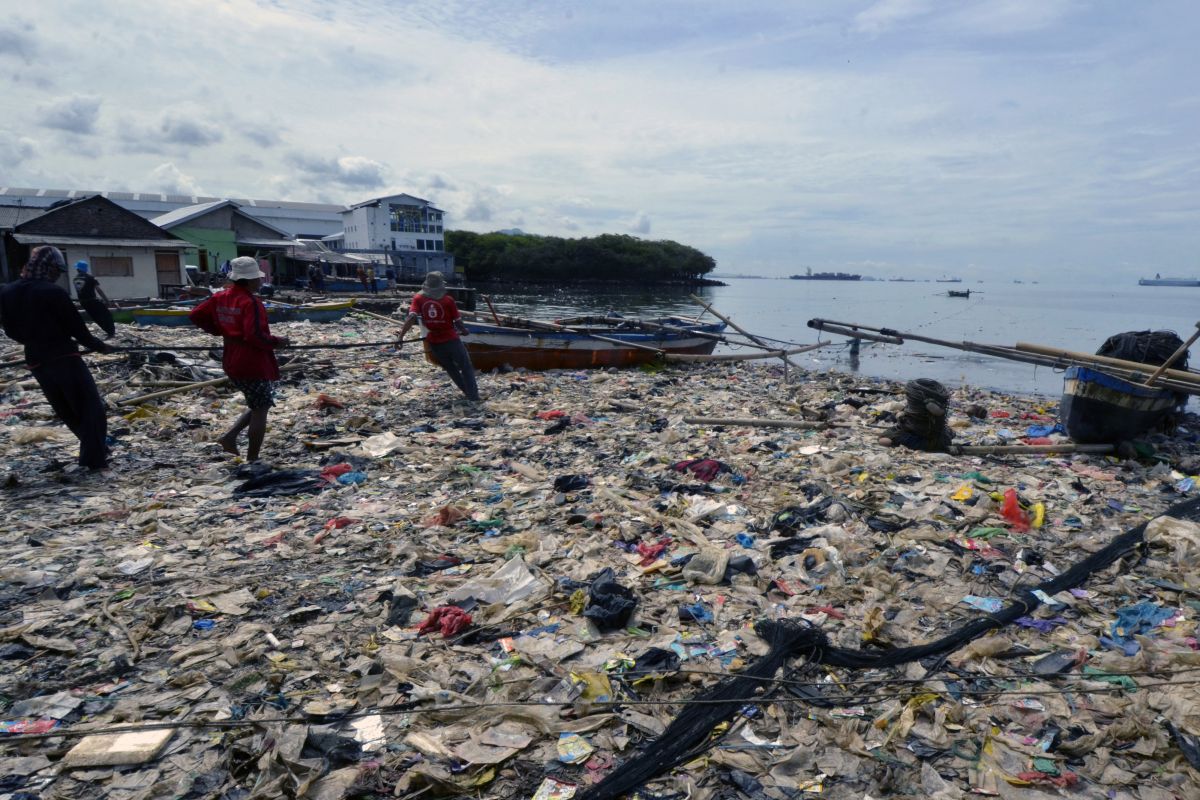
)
(690, 733)
(1145, 347)
(922, 424)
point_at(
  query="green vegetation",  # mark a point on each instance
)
(610, 257)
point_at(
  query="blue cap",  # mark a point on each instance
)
(82, 266)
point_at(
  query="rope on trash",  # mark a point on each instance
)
(789, 638)
(137, 650)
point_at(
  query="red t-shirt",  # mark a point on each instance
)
(437, 316)
(241, 318)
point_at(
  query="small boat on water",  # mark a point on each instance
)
(1100, 408)
(177, 315)
(963, 293)
(586, 342)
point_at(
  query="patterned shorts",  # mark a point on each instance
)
(259, 394)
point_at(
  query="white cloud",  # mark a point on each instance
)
(885, 15)
(14, 150)
(170, 179)
(640, 223)
(354, 172)
(182, 127)
(74, 114)
(17, 40)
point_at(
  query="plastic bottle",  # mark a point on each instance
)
(707, 566)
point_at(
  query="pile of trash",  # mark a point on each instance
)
(418, 597)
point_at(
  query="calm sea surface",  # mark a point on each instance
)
(1070, 317)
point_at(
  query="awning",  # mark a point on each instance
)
(99, 241)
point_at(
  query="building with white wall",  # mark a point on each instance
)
(397, 222)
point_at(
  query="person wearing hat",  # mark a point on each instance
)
(93, 299)
(438, 313)
(235, 314)
(39, 314)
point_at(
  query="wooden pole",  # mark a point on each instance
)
(1028, 449)
(1134, 372)
(753, 422)
(1182, 349)
(488, 300)
(857, 334)
(190, 386)
(383, 317)
(1088, 358)
(696, 357)
(708, 307)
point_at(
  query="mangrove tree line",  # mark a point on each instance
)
(506, 257)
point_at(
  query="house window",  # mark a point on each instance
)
(112, 266)
(420, 244)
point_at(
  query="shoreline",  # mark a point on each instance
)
(306, 606)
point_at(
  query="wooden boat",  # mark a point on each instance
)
(1100, 408)
(177, 315)
(533, 345)
(953, 293)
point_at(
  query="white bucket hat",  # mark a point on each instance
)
(434, 286)
(244, 268)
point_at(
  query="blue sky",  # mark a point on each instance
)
(981, 138)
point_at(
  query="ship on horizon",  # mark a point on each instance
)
(809, 275)
(1159, 280)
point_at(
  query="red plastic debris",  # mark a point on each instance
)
(331, 472)
(1011, 511)
(324, 401)
(555, 414)
(448, 619)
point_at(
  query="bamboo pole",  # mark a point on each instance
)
(858, 334)
(189, 387)
(753, 422)
(701, 334)
(708, 307)
(1087, 358)
(1134, 374)
(723, 357)
(1028, 449)
(1182, 349)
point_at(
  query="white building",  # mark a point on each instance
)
(398, 222)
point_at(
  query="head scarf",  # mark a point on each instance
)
(45, 264)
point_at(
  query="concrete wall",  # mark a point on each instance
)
(143, 283)
(220, 244)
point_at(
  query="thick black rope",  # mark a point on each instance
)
(790, 639)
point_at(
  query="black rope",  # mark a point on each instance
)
(790, 639)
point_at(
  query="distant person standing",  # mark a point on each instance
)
(390, 274)
(316, 277)
(371, 287)
(93, 299)
(39, 314)
(438, 313)
(249, 359)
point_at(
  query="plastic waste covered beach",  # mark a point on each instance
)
(421, 598)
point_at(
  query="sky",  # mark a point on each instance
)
(983, 139)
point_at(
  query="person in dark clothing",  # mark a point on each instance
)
(93, 299)
(39, 314)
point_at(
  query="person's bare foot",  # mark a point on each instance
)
(228, 445)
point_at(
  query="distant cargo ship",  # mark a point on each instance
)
(809, 275)
(1159, 280)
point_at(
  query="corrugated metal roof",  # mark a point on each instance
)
(181, 215)
(11, 216)
(99, 241)
(281, 243)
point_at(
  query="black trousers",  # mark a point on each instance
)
(68, 386)
(100, 315)
(452, 356)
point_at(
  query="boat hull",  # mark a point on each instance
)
(1168, 282)
(315, 312)
(1099, 408)
(494, 347)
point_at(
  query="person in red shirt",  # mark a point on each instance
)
(249, 359)
(438, 313)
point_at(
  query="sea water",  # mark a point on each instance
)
(1071, 316)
